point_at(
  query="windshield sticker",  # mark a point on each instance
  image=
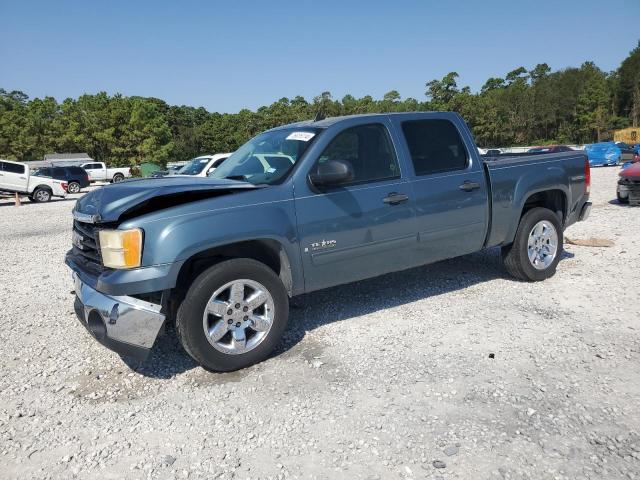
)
(302, 136)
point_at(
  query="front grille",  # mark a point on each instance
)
(86, 246)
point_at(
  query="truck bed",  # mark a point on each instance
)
(513, 179)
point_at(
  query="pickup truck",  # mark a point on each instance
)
(98, 172)
(304, 207)
(16, 177)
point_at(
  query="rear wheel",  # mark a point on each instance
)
(118, 177)
(41, 195)
(233, 315)
(536, 250)
(74, 187)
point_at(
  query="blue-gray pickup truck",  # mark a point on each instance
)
(303, 207)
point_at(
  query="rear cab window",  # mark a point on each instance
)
(12, 167)
(435, 146)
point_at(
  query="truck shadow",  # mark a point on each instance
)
(340, 303)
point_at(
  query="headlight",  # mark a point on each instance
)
(121, 248)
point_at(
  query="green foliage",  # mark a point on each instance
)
(536, 106)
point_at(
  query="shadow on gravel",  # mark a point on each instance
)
(617, 202)
(9, 202)
(340, 303)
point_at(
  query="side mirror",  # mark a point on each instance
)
(333, 172)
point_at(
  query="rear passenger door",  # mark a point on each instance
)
(95, 171)
(448, 186)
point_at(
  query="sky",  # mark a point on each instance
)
(234, 54)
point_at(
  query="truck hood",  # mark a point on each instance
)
(118, 201)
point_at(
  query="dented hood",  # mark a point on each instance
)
(109, 203)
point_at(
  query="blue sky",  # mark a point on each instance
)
(235, 54)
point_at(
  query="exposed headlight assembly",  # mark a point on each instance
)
(121, 248)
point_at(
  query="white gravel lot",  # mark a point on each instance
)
(387, 378)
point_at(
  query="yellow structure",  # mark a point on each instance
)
(629, 135)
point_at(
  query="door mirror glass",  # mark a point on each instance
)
(332, 172)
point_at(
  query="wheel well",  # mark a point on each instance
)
(266, 251)
(554, 200)
(43, 187)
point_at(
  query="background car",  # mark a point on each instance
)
(628, 190)
(76, 177)
(627, 152)
(550, 149)
(202, 166)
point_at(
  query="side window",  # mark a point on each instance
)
(1, 166)
(58, 173)
(435, 146)
(369, 150)
(13, 168)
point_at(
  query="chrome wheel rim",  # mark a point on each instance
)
(42, 195)
(118, 178)
(74, 188)
(542, 246)
(238, 316)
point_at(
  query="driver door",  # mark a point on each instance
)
(361, 229)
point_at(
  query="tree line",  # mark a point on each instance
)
(526, 107)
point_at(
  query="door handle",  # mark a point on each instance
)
(468, 186)
(395, 198)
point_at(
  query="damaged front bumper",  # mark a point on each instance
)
(126, 325)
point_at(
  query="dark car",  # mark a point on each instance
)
(627, 152)
(550, 149)
(76, 177)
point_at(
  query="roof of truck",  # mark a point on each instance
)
(327, 122)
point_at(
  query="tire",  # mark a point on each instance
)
(191, 317)
(73, 187)
(623, 200)
(41, 195)
(516, 257)
(118, 177)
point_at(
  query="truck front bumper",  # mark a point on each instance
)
(126, 325)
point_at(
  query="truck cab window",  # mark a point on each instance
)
(435, 146)
(369, 150)
(13, 168)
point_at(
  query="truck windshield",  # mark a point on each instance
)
(267, 158)
(194, 166)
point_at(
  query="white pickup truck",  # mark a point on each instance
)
(16, 178)
(98, 172)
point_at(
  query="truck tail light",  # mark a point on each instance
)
(587, 177)
(64, 186)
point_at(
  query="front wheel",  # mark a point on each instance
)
(535, 252)
(233, 315)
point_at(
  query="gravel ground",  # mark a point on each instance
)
(460, 373)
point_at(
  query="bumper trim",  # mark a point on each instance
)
(126, 325)
(585, 212)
